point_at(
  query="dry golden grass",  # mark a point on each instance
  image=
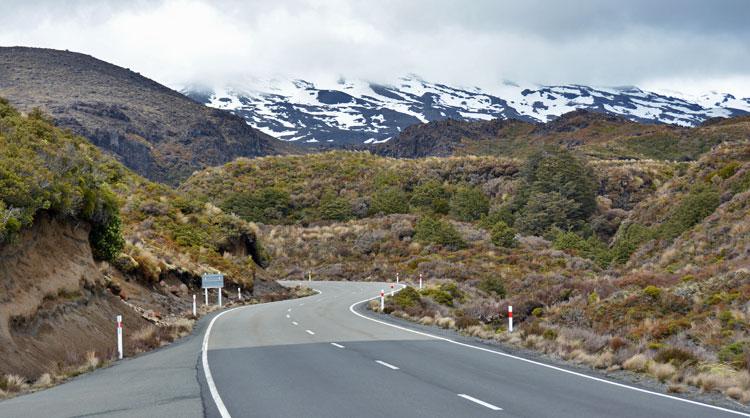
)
(637, 363)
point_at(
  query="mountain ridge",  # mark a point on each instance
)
(355, 112)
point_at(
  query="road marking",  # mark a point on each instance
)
(207, 370)
(309, 332)
(390, 366)
(223, 412)
(480, 402)
(302, 304)
(337, 345)
(537, 363)
(294, 323)
(289, 310)
(287, 315)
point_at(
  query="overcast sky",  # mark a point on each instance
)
(684, 45)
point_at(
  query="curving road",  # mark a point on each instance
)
(322, 357)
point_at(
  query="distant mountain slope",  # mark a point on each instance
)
(355, 112)
(597, 134)
(152, 129)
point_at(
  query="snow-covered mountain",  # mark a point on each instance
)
(356, 111)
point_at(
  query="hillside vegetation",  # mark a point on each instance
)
(82, 238)
(610, 261)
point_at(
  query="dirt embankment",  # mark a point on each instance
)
(54, 305)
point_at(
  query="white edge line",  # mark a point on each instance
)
(549, 366)
(390, 366)
(480, 402)
(207, 370)
(309, 332)
(337, 345)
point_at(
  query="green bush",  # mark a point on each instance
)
(388, 200)
(628, 238)
(545, 211)
(652, 291)
(734, 353)
(439, 295)
(266, 205)
(335, 208)
(469, 204)
(432, 230)
(675, 355)
(503, 236)
(431, 196)
(407, 298)
(592, 247)
(492, 285)
(700, 202)
(502, 214)
(555, 180)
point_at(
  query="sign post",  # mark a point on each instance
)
(396, 278)
(213, 281)
(382, 301)
(119, 336)
(239, 294)
(391, 289)
(420, 281)
(195, 308)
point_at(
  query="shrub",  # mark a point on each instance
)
(734, 353)
(432, 230)
(652, 292)
(503, 236)
(502, 214)
(270, 204)
(629, 237)
(407, 298)
(558, 190)
(389, 200)
(466, 321)
(469, 204)
(106, 239)
(544, 211)
(675, 355)
(431, 196)
(492, 285)
(637, 363)
(335, 208)
(439, 295)
(700, 202)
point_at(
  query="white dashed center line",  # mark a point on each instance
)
(294, 323)
(287, 315)
(390, 366)
(480, 402)
(337, 345)
(309, 332)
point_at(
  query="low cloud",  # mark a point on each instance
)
(669, 44)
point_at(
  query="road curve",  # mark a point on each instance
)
(316, 357)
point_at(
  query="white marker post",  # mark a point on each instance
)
(391, 289)
(510, 318)
(309, 276)
(119, 336)
(382, 301)
(396, 278)
(205, 295)
(219, 289)
(420, 281)
(195, 307)
(239, 294)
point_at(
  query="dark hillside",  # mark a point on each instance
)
(152, 129)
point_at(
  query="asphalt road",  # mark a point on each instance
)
(316, 357)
